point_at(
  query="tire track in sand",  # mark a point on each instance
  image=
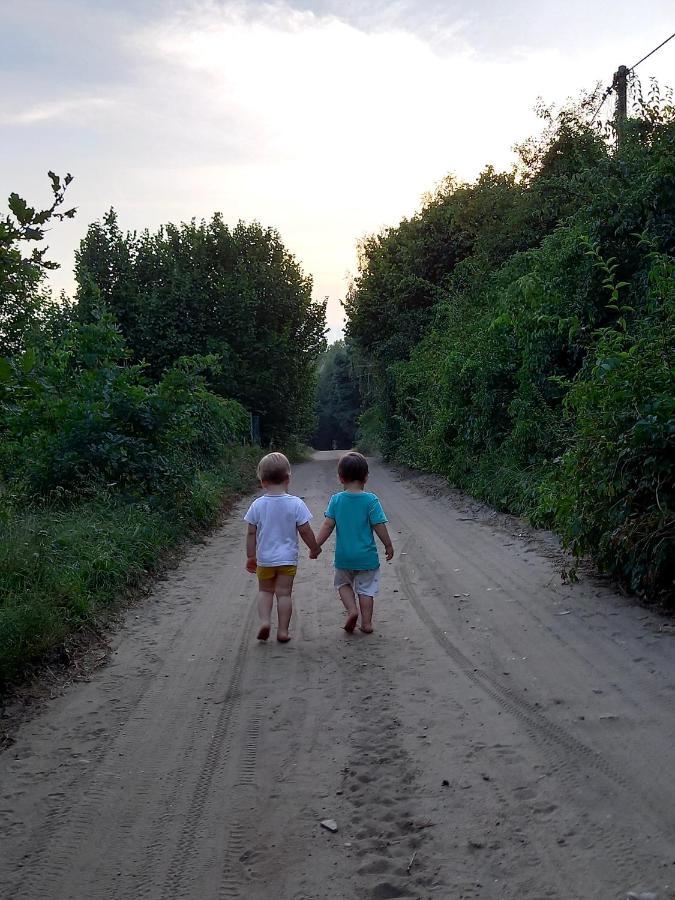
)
(569, 756)
(181, 868)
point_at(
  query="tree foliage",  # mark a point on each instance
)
(337, 399)
(26, 309)
(203, 288)
(79, 418)
(77, 414)
(518, 335)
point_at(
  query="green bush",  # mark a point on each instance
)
(78, 416)
(102, 471)
(612, 493)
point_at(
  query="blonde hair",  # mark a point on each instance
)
(274, 468)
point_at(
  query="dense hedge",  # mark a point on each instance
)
(101, 471)
(108, 459)
(519, 335)
(75, 416)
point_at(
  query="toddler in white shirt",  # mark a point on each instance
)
(274, 522)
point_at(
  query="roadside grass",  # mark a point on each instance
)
(297, 451)
(62, 567)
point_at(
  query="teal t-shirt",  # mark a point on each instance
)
(355, 514)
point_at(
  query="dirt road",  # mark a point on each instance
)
(501, 735)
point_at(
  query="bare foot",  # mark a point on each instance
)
(283, 638)
(264, 632)
(350, 622)
(367, 629)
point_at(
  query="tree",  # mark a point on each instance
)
(337, 399)
(237, 294)
(24, 304)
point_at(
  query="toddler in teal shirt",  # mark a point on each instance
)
(356, 515)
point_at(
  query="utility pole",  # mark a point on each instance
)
(620, 85)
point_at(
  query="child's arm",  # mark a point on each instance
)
(251, 562)
(325, 531)
(381, 531)
(307, 535)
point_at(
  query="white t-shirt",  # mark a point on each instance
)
(277, 518)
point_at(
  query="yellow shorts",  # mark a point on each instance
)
(266, 573)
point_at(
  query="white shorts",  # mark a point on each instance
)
(366, 582)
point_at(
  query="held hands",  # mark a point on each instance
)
(251, 564)
(314, 554)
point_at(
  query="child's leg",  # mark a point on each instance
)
(366, 604)
(265, 601)
(283, 589)
(348, 598)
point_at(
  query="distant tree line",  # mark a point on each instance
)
(338, 401)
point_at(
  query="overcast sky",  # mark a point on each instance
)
(326, 120)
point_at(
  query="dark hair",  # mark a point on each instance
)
(353, 466)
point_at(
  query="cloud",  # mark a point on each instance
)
(325, 119)
(342, 123)
(70, 110)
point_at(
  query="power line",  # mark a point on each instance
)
(652, 52)
(605, 95)
(611, 87)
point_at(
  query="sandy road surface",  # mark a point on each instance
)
(500, 736)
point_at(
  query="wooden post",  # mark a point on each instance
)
(621, 87)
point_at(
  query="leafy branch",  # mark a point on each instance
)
(25, 223)
(608, 267)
